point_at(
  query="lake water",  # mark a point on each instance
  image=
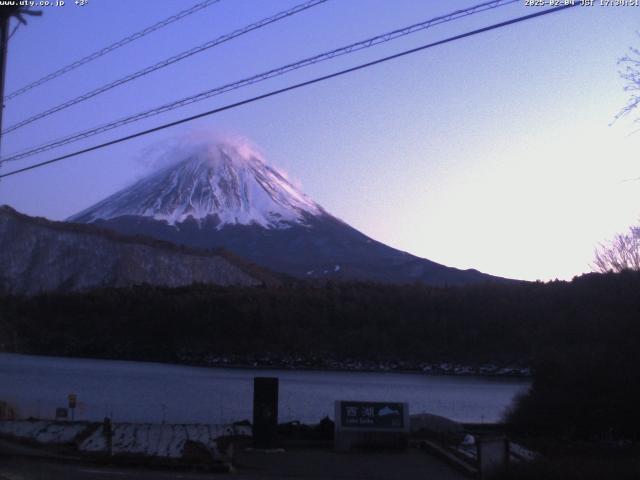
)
(153, 392)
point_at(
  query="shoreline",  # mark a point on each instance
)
(441, 369)
(516, 373)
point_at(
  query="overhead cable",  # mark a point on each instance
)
(367, 43)
(110, 48)
(291, 87)
(165, 63)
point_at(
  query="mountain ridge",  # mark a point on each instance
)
(225, 195)
(42, 255)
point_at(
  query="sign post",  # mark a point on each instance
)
(493, 455)
(362, 425)
(107, 431)
(265, 412)
(72, 405)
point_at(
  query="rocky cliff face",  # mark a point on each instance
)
(38, 255)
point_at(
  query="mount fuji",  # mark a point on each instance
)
(224, 194)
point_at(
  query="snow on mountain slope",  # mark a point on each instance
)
(222, 194)
(224, 180)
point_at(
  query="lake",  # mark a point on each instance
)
(153, 392)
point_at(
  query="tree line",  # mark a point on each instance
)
(581, 336)
(476, 323)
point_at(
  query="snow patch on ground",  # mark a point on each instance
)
(147, 439)
(43, 431)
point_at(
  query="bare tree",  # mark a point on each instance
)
(621, 253)
(630, 73)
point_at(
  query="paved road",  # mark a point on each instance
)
(41, 469)
(327, 464)
(295, 464)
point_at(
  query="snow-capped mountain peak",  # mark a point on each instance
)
(245, 206)
(226, 181)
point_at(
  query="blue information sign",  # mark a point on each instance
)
(372, 414)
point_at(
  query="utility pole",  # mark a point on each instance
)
(6, 12)
(5, 15)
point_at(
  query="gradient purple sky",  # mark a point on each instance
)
(493, 152)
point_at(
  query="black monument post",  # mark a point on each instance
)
(265, 412)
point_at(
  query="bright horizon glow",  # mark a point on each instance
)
(492, 153)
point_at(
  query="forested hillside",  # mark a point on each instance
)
(471, 324)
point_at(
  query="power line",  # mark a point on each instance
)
(169, 61)
(292, 87)
(370, 42)
(120, 43)
(13, 31)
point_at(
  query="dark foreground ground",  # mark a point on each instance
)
(41, 469)
(252, 466)
(17, 463)
(321, 464)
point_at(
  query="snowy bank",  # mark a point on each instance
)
(127, 439)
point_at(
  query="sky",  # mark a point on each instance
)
(494, 152)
